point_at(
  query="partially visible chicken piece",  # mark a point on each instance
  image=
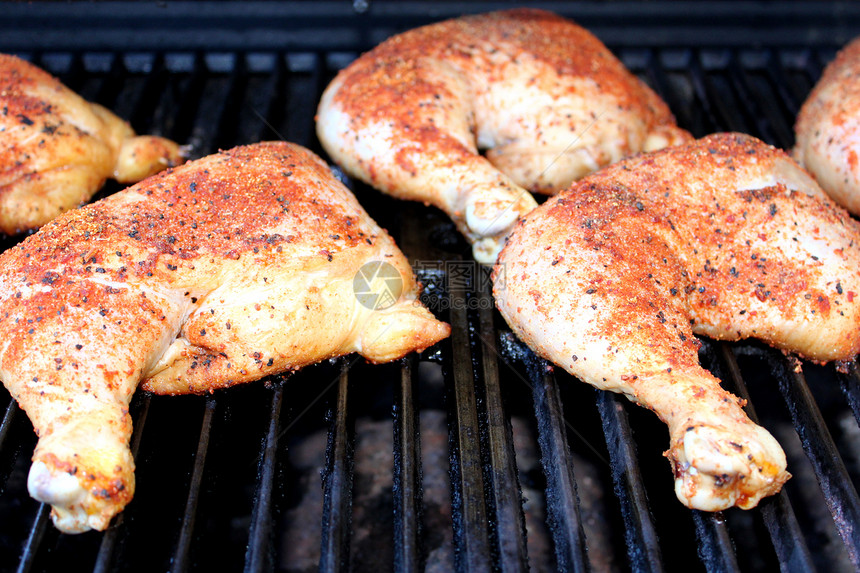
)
(725, 237)
(221, 271)
(545, 98)
(57, 149)
(828, 129)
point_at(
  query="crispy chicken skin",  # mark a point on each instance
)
(544, 97)
(221, 271)
(725, 237)
(828, 129)
(57, 150)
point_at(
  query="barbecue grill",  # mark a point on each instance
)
(474, 455)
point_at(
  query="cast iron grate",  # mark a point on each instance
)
(216, 475)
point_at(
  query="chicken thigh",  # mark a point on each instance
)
(828, 129)
(544, 97)
(57, 149)
(725, 237)
(224, 270)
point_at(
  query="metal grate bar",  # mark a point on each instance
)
(211, 106)
(76, 74)
(337, 485)
(777, 513)
(788, 542)
(505, 492)
(839, 492)
(8, 419)
(850, 383)
(407, 473)
(737, 109)
(715, 549)
(133, 95)
(643, 546)
(138, 85)
(468, 505)
(658, 78)
(104, 73)
(114, 534)
(563, 515)
(304, 85)
(758, 98)
(34, 539)
(715, 545)
(208, 99)
(791, 88)
(181, 555)
(786, 95)
(260, 95)
(715, 107)
(258, 554)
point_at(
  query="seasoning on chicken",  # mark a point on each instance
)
(828, 129)
(57, 149)
(725, 237)
(545, 98)
(221, 271)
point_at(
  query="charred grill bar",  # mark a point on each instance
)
(220, 477)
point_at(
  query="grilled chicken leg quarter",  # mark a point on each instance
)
(545, 98)
(57, 150)
(726, 237)
(828, 129)
(221, 271)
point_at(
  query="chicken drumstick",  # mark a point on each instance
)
(545, 98)
(725, 237)
(221, 271)
(57, 149)
(828, 129)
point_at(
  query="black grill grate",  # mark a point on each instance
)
(219, 477)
